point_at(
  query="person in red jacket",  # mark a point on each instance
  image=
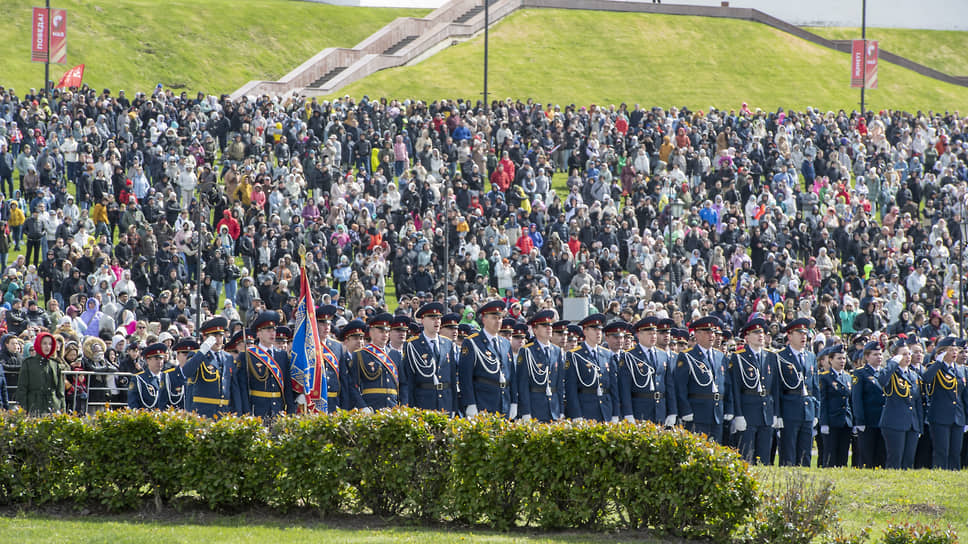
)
(500, 178)
(230, 222)
(525, 243)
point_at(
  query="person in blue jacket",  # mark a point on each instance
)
(902, 419)
(591, 380)
(147, 389)
(428, 371)
(754, 387)
(836, 419)
(944, 384)
(867, 402)
(485, 368)
(540, 373)
(373, 376)
(700, 376)
(799, 387)
(212, 375)
(264, 371)
(645, 377)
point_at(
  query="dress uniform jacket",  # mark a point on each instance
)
(267, 391)
(646, 384)
(591, 384)
(947, 395)
(540, 381)
(147, 391)
(867, 397)
(903, 404)
(373, 379)
(753, 387)
(428, 380)
(835, 395)
(799, 386)
(213, 386)
(174, 387)
(480, 370)
(700, 386)
(336, 397)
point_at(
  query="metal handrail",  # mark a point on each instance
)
(85, 405)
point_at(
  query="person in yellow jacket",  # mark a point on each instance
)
(17, 220)
(99, 214)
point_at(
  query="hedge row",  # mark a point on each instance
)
(402, 462)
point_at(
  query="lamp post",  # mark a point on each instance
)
(487, 24)
(863, 37)
(963, 226)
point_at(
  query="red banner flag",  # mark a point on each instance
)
(863, 64)
(72, 78)
(38, 35)
(871, 82)
(58, 36)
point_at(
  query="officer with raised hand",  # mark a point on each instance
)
(867, 401)
(700, 376)
(799, 387)
(754, 388)
(212, 375)
(264, 371)
(591, 376)
(836, 419)
(645, 378)
(902, 419)
(944, 384)
(428, 372)
(148, 389)
(373, 380)
(540, 376)
(485, 369)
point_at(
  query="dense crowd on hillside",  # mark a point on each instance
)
(853, 221)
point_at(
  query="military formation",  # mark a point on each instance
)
(893, 402)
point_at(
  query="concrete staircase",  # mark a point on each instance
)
(407, 39)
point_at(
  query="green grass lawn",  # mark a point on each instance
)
(939, 49)
(583, 57)
(214, 46)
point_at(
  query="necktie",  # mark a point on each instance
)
(651, 358)
(435, 350)
(547, 354)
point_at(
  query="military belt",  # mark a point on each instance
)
(751, 393)
(796, 393)
(706, 396)
(434, 386)
(266, 394)
(535, 389)
(657, 396)
(493, 383)
(587, 390)
(208, 400)
(379, 391)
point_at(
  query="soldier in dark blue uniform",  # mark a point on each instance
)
(944, 384)
(212, 375)
(922, 454)
(615, 334)
(836, 418)
(663, 335)
(540, 379)
(183, 349)
(799, 387)
(284, 339)
(591, 376)
(449, 325)
(148, 389)
(428, 372)
(700, 376)
(754, 387)
(335, 358)
(902, 419)
(558, 331)
(373, 377)
(678, 341)
(867, 401)
(485, 368)
(573, 335)
(264, 371)
(646, 379)
(507, 328)
(399, 332)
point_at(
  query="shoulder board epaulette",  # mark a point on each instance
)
(412, 338)
(473, 334)
(574, 349)
(141, 373)
(172, 369)
(529, 344)
(823, 372)
(740, 350)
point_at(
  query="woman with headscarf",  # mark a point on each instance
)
(40, 386)
(91, 317)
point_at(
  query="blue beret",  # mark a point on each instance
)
(871, 346)
(835, 350)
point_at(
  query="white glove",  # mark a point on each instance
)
(367, 410)
(629, 418)
(614, 419)
(526, 417)
(513, 413)
(471, 411)
(824, 429)
(815, 421)
(687, 418)
(777, 422)
(670, 420)
(739, 424)
(578, 419)
(860, 428)
(207, 345)
(301, 399)
(966, 429)
(728, 417)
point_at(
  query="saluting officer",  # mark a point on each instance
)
(700, 376)
(945, 386)
(902, 419)
(485, 369)
(867, 401)
(645, 378)
(213, 388)
(428, 372)
(836, 418)
(797, 402)
(591, 376)
(754, 387)
(149, 388)
(373, 379)
(540, 379)
(264, 372)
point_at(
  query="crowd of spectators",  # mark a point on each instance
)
(853, 220)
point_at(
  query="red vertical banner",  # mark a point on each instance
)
(38, 35)
(58, 36)
(871, 72)
(857, 63)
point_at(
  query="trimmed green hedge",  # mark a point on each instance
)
(402, 462)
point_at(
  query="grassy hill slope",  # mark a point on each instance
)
(213, 45)
(939, 49)
(566, 56)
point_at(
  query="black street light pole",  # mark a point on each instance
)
(47, 60)
(487, 24)
(863, 37)
(198, 264)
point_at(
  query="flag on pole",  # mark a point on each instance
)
(72, 78)
(306, 368)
